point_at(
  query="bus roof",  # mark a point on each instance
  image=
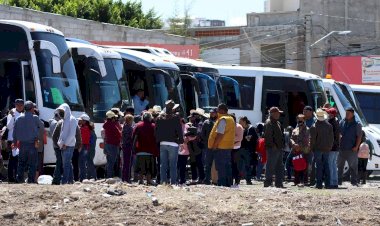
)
(153, 50)
(32, 27)
(146, 59)
(366, 88)
(105, 53)
(247, 72)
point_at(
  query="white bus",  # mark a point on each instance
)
(103, 85)
(369, 99)
(251, 91)
(148, 49)
(341, 96)
(159, 79)
(36, 65)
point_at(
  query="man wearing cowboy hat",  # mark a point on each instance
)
(274, 144)
(169, 134)
(321, 142)
(333, 156)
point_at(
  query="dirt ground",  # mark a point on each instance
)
(89, 204)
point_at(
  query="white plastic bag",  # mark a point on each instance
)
(15, 152)
(45, 179)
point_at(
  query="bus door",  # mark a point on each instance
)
(28, 87)
(191, 91)
(275, 98)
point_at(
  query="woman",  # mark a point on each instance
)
(364, 153)
(247, 153)
(85, 131)
(112, 139)
(127, 144)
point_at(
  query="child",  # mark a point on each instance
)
(299, 166)
(127, 144)
(364, 153)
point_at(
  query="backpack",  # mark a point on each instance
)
(299, 162)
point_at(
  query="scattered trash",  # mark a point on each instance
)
(247, 224)
(113, 180)
(91, 181)
(116, 192)
(281, 224)
(87, 189)
(338, 222)
(200, 194)
(259, 200)
(45, 179)
(10, 215)
(155, 201)
(66, 200)
(106, 195)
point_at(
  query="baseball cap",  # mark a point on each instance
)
(308, 108)
(110, 114)
(19, 101)
(332, 111)
(84, 117)
(275, 109)
(350, 109)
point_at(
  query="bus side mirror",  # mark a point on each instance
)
(56, 59)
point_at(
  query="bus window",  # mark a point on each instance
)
(246, 88)
(332, 103)
(30, 92)
(10, 83)
(275, 98)
(369, 103)
(231, 92)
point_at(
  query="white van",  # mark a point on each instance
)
(341, 96)
(369, 99)
(251, 91)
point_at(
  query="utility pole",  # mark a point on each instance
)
(308, 31)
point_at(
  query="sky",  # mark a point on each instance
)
(232, 11)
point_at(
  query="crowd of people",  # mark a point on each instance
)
(157, 146)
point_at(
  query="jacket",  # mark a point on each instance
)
(169, 129)
(26, 128)
(112, 132)
(57, 133)
(335, 124)
(69, 127)
(11, 119)
(273, 135)
(126, 139)
(205, 131)
(227, 143)
(321, 136)
(144, 137)
(85, 132)
(251, 144)
(301, 136)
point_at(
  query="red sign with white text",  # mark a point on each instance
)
(186, 51)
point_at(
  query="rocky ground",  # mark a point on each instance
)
(103, 203)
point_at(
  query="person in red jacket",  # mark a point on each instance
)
(85, 130)
(145, 148)
(112, 140)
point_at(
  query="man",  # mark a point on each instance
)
(351, 135)
(169, 134)
(247, 153)
(139, 102)
(13, 115)
(112, 140)
(310, 120)
(209, 155)
(321, 142)
(221, 140)
(274, 144)
(25, 137)
(309, 116)
(333, 155)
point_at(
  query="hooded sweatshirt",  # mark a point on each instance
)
(69, 126)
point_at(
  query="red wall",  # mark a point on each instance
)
(346, 69)
(187, 51)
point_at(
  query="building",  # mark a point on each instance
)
(202, 22)
(282, 36)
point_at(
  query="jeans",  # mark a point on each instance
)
(28, 158)
(83, 167)
(58, 167)
(168, 160)
(127, 164)
(235, 159)
(75, 162)
(259, 167)
(197, 169)
(224, 167)
(352, 158)
(244, 164)
(333, 168)
(210, 157)
(91, 170)
(322, 168)
(67, 155)
(12, 164)
(111, 152)
(275, 166)
(182, 162)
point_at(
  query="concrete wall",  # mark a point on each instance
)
(269, 19)
(91, 30)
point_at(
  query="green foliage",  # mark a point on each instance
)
(129, 13)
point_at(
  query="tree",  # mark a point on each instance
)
(129, 13)
(179, 25)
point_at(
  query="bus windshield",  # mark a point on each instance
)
(208, 97)
(60, 88)
(108, 91)
(318, 95)
(358, 112)
(231, 92)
